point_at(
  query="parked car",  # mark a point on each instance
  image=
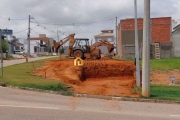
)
(20, 52)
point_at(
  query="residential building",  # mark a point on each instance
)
(105, 35)
(176, 40)
(12, 41)
(41, 45)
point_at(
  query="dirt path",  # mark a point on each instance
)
(162, 77)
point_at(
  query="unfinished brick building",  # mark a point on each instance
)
(160, 33)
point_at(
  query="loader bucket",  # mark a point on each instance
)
(110, 48)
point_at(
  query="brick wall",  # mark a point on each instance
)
(160, 30)
(128, 24)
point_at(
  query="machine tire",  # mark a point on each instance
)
(99, 57)
(94, 57)
(78, 53)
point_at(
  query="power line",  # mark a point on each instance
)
(16, 19)
(39, 25)
(72, 24)
(63, 33)
(34, 31)
(75, 24)
(9, 19)
(21, 31)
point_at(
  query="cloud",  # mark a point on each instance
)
(76, 11)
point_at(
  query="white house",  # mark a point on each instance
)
(41, 45)
(105, 35)
(176, 41)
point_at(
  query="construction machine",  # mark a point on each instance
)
(80, 47)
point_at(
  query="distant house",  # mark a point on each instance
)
(16, 45)
(160, 37)
(12, 41)
(176, 40)
(105, 35)
(41, 45)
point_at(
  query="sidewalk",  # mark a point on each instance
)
(18, 61)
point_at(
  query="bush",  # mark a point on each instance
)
(117, 57)
(4, 46)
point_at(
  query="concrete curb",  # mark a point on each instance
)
(127, 99)
(101, 96)
(34, 89)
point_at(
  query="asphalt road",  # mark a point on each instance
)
(18, 104)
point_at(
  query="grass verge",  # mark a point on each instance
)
(20, 75)
(165, 92)
(165, 64)
(160, 92)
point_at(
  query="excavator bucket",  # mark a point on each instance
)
(110, 48)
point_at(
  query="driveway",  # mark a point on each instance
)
(18, 61)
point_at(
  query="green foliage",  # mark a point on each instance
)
(165, 64)
(136, 90)
(4, 46)
(21, 75)
(61, 50)
(165, 92)
(117, 57)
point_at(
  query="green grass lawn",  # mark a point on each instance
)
(20, 75)
(165, 92)
(165, 64)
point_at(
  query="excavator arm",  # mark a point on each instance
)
(110, 46)
(69, 38)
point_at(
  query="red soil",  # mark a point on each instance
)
(103, 77)
(162, 77)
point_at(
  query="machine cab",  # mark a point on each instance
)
(82, 44)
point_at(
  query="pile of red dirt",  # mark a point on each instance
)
(103, 77)
(108, 68)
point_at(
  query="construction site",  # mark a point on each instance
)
(87, 71)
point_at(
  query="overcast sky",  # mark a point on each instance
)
(86, 18)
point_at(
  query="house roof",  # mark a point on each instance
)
(45, 39)
(107, 31)
(105, 35)
(17, 44)
(177, 26)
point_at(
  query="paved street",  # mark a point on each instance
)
(17, 61)
(18, 104)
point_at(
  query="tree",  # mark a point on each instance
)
(4, 46)
(61, 49)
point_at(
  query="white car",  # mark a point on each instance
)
(20, 52)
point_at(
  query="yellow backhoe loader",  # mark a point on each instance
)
(80, 47)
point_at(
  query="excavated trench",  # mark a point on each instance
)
(100, 77)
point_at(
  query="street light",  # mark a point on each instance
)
(138, 83)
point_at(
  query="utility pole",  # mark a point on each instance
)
(57, 35)
(138, 83)
(28, 36)
(116, 38)
(146, 50)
